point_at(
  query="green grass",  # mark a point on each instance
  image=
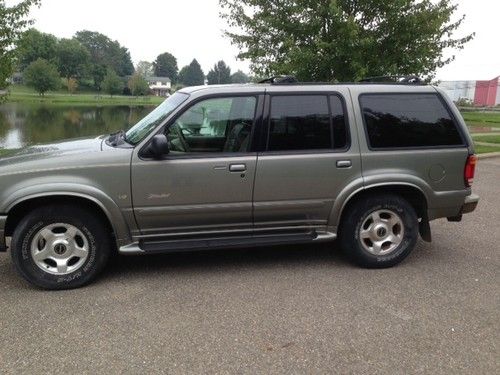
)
(487, 138)
(20, 93)
(479, 149)
(484, 119)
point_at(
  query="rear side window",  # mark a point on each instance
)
(408, 120)
(306, 122)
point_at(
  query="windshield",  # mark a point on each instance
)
(137, 132)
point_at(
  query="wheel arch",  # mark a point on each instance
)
(18, 209)
(412, 193)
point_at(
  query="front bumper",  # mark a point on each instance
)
(3, 246)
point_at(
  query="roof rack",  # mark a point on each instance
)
(410, 79)
(390, 80)
(276, 80)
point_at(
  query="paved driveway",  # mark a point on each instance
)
(274, 310)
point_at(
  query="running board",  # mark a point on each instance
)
(175, 246)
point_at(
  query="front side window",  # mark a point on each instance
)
(408, 120)
(299, 122)
(214, 125)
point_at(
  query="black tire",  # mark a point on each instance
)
(97, 235)
(359, 213)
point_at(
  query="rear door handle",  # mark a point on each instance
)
(344, 163)
(237, 168)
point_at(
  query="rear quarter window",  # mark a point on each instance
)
(408, 120)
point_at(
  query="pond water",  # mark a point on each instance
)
(24, 124)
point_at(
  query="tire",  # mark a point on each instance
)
(379, 231)
(60, 246)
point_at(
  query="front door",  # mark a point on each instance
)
(205, 185)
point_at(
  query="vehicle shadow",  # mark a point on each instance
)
(229, 259)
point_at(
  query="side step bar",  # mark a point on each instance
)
(175, 246)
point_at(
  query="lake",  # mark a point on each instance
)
(23, 124)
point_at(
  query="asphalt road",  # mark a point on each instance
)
(273, 310)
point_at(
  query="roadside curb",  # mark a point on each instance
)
(488, 155)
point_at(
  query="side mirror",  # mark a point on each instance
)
(159, 146)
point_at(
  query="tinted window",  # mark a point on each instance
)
(408, 120)
(338, 122)
(299, 122)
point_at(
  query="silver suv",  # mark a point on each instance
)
(368, 164)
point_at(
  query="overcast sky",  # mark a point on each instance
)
(193, 29)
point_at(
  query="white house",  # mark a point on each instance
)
(160, 86)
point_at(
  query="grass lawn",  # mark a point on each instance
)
(479, 149)
(487, 138)
(486, 119)
(19, 93)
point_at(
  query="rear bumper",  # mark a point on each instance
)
(3, 220)
(470, 203)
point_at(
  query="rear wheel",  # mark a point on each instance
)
(60, 247)
(379, 231)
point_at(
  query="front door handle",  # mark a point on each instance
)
(344, 163)
(237, 168)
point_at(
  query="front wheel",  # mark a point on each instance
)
(60, 246)
(379, 231)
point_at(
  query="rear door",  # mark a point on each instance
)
(309, 157)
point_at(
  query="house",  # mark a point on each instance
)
(480, 93)
(160, 86)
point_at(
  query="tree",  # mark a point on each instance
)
(35, 45)
(165, 65)
(138, 85)
(12, 23)
(42, 76)
(324, 40)
(112, 84)
(220, 74)
(72, 85)
(240, 77)
(144, 68)
(98, 73)
(72, 58)
(192, 75)
(105, 53)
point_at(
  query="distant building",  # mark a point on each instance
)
(160, 86)
(479, 93)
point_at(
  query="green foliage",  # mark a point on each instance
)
(98, 73)
(42, 76)
(345, 40)
(138, 85)
(72, 58)
(105, 53)
(112, 84)
(219, 74)
(35, 45)
(12, 23)
(192, 75)
(240, 77)
(166, 66)
(144, 68)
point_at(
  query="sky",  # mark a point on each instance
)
(193, 29)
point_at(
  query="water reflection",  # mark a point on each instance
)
(26, 124)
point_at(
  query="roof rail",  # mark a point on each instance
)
(276, 80)
(410, 79)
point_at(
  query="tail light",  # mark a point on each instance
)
(470, 168)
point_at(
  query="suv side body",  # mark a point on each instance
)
(239, 186)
